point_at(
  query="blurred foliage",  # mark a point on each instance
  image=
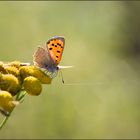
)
(100, 97)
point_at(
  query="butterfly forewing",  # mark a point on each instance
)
(55, 48)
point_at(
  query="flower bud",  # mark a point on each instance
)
(9, 83)
(6, 101)
(2, 69)
(36, 72)
(32, 85)
(12, 70)
(14, 64)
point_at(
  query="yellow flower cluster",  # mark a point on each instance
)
(16, 77)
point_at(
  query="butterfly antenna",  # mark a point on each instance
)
(62, 76)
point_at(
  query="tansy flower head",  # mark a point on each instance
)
(12, 70)
(26, 71)
(15, 64)
(6, 101)
(9, 83)
(2, 69)
(32, 85)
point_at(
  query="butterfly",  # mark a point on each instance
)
(48, 57)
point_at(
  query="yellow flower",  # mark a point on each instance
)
(9, 83)
(2, 69)
(26, 71)
(15, 64)
(32, 85)
(12, 70)
(6, 101)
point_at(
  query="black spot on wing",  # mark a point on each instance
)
(48, 42)
(50, 48)
(58, 44)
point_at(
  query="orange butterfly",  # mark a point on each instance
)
(48, 57)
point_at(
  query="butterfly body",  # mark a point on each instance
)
(48, 57)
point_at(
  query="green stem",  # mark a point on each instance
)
(22, 96)
(18, 98)
(5, 120)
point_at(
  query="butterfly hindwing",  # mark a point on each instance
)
(42, 58)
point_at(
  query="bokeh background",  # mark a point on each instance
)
(101, 94)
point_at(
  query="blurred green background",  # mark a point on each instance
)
(101, 94)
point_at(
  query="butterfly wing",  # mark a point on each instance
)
(55, 47)
(42, 58)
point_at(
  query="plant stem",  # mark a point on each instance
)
(18, 98)
(5, 120)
